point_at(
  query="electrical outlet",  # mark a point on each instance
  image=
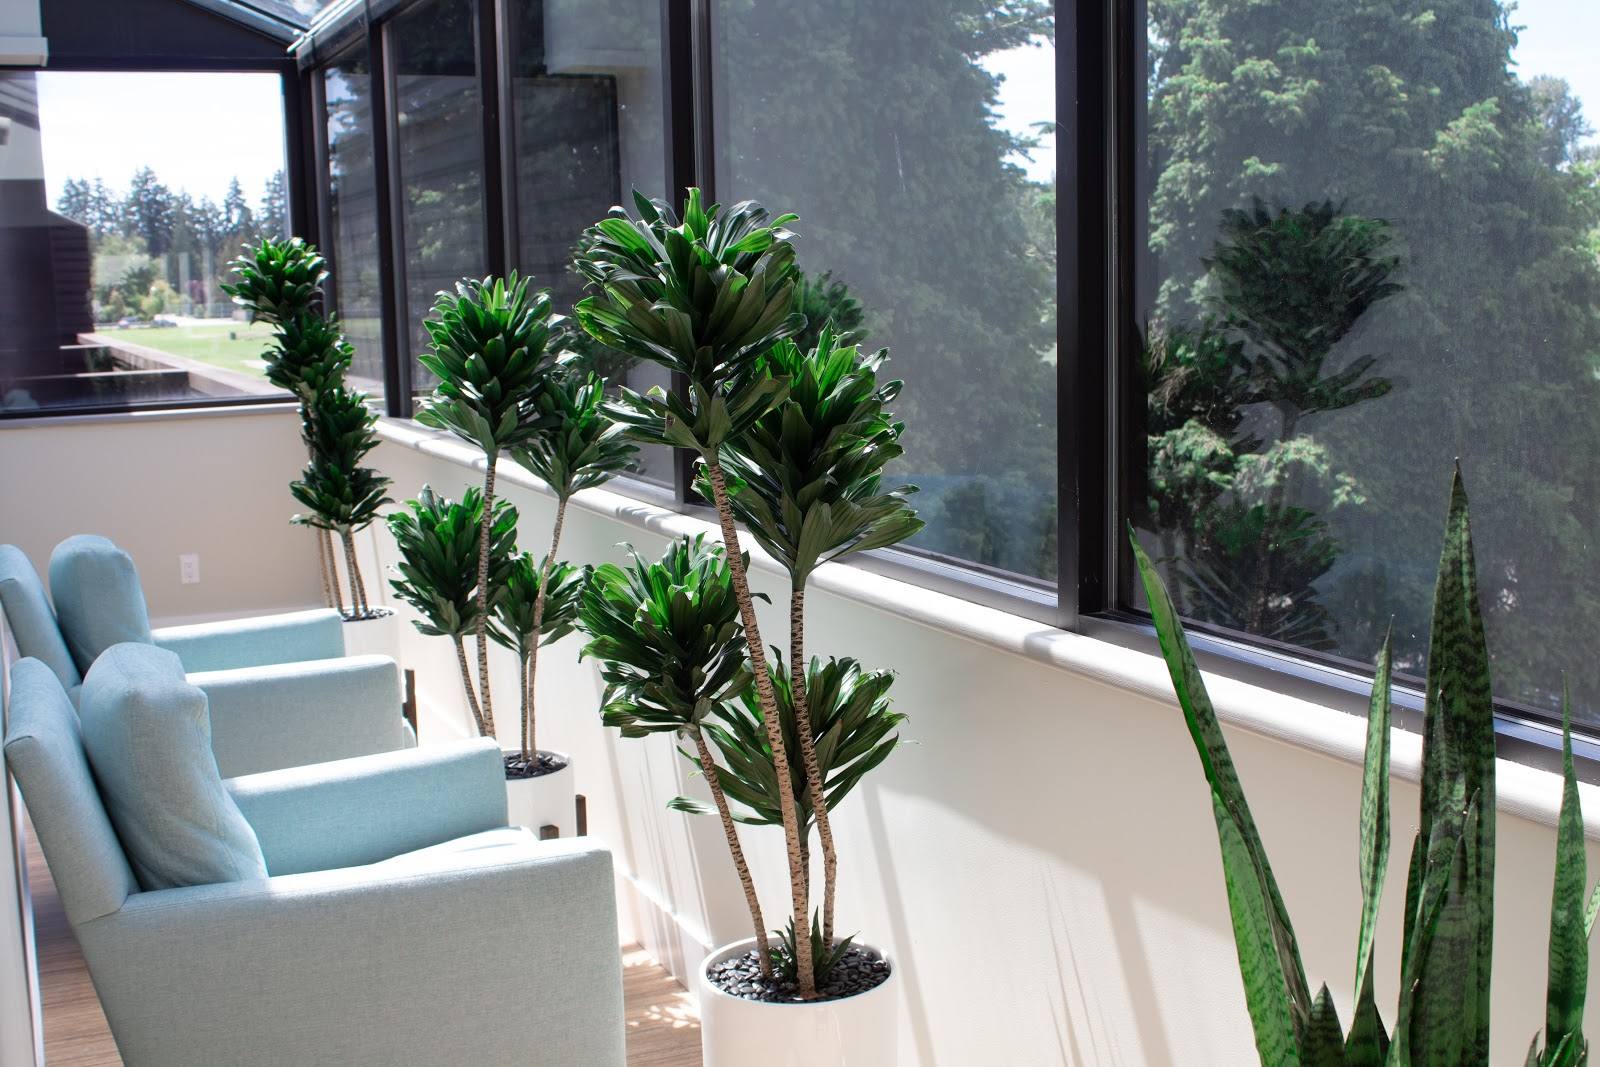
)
(189, 568)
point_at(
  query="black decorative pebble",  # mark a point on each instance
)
(542, 763)
(351, 615)
(859, 971)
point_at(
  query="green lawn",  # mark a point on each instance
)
(236, 347)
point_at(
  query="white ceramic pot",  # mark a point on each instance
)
(547, 800)
(858, 1031)
(373, 637)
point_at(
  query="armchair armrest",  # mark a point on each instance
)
(289, 714)
(499, 955)
(255, 642)
(358, 811)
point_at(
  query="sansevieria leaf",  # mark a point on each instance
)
(1229, 798)
(1569, 936)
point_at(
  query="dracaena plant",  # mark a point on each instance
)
(806, 479)
(671, 649)
(1442, 1019)
(490, 350)
(340, 494)
(280, 283)
(575, 446)
(537, 605)
(437, 541)
(705, 298)
(846, 710)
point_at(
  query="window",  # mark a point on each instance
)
(915, 143)
(1370, 247)
(438, 123)
(352, 216)
(586, 100)
(122, 231)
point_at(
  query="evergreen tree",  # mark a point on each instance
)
(77, 201)
(1410, 112)
(273, 218)
(238, 221)
(148, 212)
(932, 232)
(105, 210)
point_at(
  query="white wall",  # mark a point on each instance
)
(160, 485)
(1040, 859)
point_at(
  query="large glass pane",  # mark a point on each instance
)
(352, 241)
(915, 140)
(112, 298)
(588, 120)
(439, 147)
(1371, 249)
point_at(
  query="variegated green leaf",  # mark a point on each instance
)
(1569, 945)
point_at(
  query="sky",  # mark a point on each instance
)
(195, 130)
(1559, 37)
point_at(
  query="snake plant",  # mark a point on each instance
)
(1442, 1018)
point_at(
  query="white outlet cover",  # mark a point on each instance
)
(189, 568)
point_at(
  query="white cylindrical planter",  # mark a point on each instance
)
(858, 1031)
(378, 636)
(548, 800)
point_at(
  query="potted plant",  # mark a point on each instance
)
(437, 540)
(794, 443)
(1445, 958)
(489, 348)
(573, 447)
(280, 283)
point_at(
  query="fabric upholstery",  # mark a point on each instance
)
(99, 602)
(495, 956)
(359, 811)
(148, 736)
(291, 637)
(290, 714)
(32, 619)
(44, 751)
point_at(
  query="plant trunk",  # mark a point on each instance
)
(522, 679)
(466, 683)
(358, 591)
(799, 877)
(531, 688)
(808, 755)
(482, 634)
(708, 767)
(333, 567)
(327, 566)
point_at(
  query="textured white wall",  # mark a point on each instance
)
(211, 484)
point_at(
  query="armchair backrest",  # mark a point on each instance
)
(99, 602)
(44, 749)
(33, 621)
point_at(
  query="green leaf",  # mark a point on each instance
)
(1374, 855)
(1265, 985)
(1324, 1039)
(1569, 944)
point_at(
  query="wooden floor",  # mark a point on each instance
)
(663, 1030)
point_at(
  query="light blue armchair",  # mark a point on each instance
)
(282, 693)
(402, 921)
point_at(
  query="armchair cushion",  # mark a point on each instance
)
(33, 621)
(148, 737)
(500, 955)
(45, 753)
(290, 637)
(99, 602)
(289, 714)
(358, 811)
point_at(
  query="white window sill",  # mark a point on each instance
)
(1524, 791)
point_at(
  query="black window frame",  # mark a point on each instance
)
(1100, 99)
